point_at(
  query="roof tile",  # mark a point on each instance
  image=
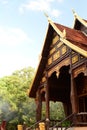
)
(77, 37)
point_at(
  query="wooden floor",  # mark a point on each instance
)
(73, 128)
(78, 128)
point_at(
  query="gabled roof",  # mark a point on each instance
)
(75, 39)
(78, 18)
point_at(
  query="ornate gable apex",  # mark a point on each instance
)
(63, 31)
(78, 21)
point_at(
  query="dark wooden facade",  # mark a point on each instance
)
(62, 71)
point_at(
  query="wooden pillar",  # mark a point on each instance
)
(67, 109)
(47, 103)
(74, 102)
(38, 106)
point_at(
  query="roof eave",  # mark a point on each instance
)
(42, 61)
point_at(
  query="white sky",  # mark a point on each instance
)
(23, 28)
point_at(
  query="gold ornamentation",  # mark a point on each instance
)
(57, 67)
(52, 51)
(64, 49)
(75, 59)
(43, 79)
(59, 44)
(64, 33)
(56, 55)
(49, 60)
(79, 70)
(55, 39)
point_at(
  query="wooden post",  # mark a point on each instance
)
(74, 101)
(47, 103)
(38, 106)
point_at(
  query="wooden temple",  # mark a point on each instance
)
(62, 71)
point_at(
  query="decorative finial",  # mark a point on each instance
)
(64, 33)
(74, 12)
(47, 16)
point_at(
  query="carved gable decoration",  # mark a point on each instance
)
(57, 49)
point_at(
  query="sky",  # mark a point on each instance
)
(23, 28)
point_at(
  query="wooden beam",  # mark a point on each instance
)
(47, 103)
(74, 102)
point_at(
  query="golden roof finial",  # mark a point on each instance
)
(74, 12)
(47, 16)
(79, 18)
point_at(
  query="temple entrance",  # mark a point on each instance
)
(83, 104)
(59, 88)
(59, 85)
(81, 85)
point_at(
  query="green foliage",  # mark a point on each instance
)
(15, 105)
(56, 111)
(66, 123)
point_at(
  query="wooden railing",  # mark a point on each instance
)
(65, 123)
(78, 119)
(35, 125)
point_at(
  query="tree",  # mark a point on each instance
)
(56, 110)
(15, 105)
